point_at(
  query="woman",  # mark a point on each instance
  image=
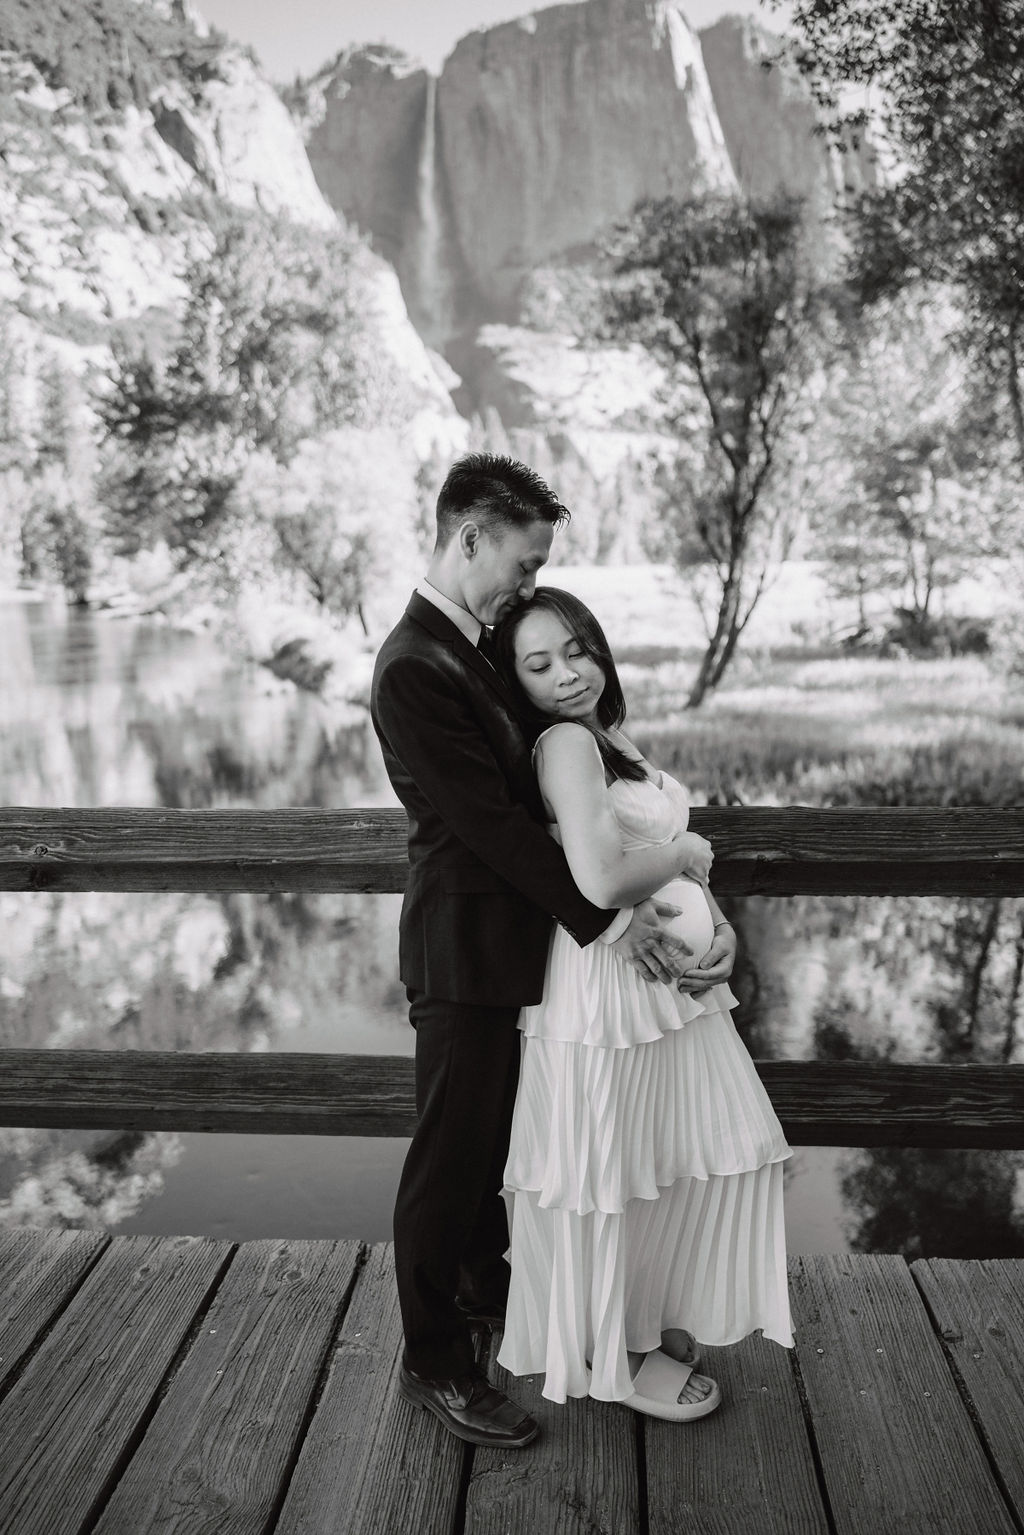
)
(644, 1178)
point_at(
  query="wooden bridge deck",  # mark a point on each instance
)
(178, 1384)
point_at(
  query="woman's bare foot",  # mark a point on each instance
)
(680, 1345)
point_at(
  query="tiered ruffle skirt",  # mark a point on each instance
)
(644, 1179)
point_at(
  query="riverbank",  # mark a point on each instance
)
(648, 611)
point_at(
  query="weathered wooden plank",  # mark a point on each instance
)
(128, 849)
(749, 1466)
(978, 1308)
(219, 1449)
(889, 1103)
(758, 850)
(896, 1445)
(39, 1272)
(370, 1462)
(262, 1094)
(70, 1419)
(834, 1103)
(577, 1478)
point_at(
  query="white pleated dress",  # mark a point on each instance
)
(644, 1177)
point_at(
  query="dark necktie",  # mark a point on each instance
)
(485, 645)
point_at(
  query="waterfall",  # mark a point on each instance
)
(429, 254)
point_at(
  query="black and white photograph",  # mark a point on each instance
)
(511, 767)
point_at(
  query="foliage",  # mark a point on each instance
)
(613, 498)
(721, 292)
(55, 533)
(906, 501)
(107, 53)
(272, 348)
(45, 467)
(947, 88)
(344, 514)
(568, 300)
(11, 368)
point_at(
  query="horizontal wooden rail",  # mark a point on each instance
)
(790, 851)
(819, 1103)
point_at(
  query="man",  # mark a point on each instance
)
(485, 882)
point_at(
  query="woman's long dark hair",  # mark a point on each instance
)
(585, 629)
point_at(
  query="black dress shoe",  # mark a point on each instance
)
(470, 1408)
(483, 1313)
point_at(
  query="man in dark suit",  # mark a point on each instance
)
(485, 883)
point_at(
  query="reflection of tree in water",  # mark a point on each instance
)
(199, 760)
(190, 971)
(954, 964)
(79, 1180)
(879, 977)
(928, 1203)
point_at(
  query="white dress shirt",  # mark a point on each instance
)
(461, 617)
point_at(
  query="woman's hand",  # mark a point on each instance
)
(696, 856)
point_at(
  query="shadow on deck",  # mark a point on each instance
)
(180, 1384)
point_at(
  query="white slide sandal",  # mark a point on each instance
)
(658, 1383)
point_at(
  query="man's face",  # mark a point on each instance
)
(502, 567)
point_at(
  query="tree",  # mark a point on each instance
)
(720, 290)
(946, 83)
(272, 348)
(109, 53)
(344, 514)
(907, 504)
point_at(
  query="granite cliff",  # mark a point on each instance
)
(130, 138)
(103, 203)
(541, 133)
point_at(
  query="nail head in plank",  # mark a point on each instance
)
(749, 1465)
(897, 1448)
(977, 1306)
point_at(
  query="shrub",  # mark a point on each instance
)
(107, 53)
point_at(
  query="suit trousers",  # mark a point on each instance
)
(451, 1231)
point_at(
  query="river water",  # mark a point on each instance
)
(102, 711)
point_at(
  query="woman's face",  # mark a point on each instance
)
(554, 671)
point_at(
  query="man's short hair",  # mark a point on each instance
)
(497, 492)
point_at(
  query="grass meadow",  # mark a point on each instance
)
(798, 719)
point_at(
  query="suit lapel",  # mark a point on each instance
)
(441, 627)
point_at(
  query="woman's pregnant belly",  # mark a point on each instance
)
(694, 924)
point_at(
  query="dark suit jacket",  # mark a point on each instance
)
(485, 878)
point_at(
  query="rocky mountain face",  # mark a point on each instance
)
(100, 209)
(539, 134)
(488, 187)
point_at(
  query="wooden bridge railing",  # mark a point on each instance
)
(758, 851)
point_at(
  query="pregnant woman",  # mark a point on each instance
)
(644, 1179)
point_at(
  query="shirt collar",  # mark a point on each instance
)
(462, 618)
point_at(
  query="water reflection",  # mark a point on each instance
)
(95, 711)
(101, 712)
(953, 1204)
(902, 979)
